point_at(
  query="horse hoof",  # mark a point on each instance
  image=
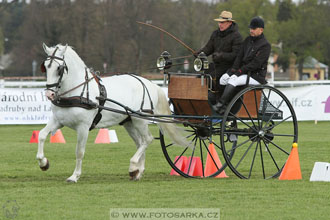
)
(70, 181)
(45, 168)
(133, 174)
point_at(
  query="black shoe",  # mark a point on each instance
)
(219, 108)
(221, 105)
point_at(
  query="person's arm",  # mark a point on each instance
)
(260, 58)
(236, 46)
(208, 49)
(238, 60)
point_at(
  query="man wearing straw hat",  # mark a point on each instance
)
(223, 45)
(250, 66)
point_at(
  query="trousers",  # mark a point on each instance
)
(236, 80)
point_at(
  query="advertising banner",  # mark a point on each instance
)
(310, 102)
(30, 106)
(24, 106)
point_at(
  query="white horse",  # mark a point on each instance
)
(68, 78)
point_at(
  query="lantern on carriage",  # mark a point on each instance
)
(201, 63)
(164, 61)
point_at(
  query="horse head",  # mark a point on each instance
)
(54, 66)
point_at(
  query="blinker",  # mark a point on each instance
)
(42, 67)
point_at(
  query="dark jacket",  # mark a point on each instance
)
(224, 45)
(253, 58)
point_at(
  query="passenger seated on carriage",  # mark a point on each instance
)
(224, 45)
(250, 66)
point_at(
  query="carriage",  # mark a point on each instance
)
(253, 137)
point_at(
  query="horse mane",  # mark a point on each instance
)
(70, 52)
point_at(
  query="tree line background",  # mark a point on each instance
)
(106, 36)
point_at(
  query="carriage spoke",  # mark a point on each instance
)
(246, 110)
(276, 146)
(245, 153)
(239, 132)
(285, 135)
(257, 110)
(252, 163)
(215, 144)
(271, 155)
(171, 144)
(262, 160)
(209, 153)
(220, 148)
(241, 144)
(264, 107)
(280, 122)
(201, 151)
(241, 120)
(181, 155)
(271, 117)
(192, 155)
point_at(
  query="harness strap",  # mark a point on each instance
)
(52, 57)
(75, 101)
(144, 89)
(248, 78)
(103, 94)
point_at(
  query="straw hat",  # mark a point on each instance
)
(225, 16)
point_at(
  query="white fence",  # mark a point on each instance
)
(38, 84)
(22, 103)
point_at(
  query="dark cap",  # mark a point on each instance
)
(257, 22)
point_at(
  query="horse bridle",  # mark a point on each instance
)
(60, 70)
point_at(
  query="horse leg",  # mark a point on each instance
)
(51, 126)
(82, 135)
(142, 137)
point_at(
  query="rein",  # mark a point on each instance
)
(75, 101)
(76, 87)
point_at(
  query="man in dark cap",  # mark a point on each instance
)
(223, 45)
(251, 60)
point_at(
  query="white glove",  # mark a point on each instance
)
(233, 77)
(224, 79)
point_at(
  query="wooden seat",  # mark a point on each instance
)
(190, 97)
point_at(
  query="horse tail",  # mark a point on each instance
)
(175, 133)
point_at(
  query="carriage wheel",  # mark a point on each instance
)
(266, 127)
(200, 160)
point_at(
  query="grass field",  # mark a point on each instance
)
(104, 183)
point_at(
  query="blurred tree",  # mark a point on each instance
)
(2, 41)
(302, 33)
(106, 36)
(284, 10)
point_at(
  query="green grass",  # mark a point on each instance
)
(105, 184)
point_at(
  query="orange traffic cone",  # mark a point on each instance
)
(196, 168)
(210, 166)
(34, 137)
(291, 169)
(57, 137)
(180, 164)
(102, 137)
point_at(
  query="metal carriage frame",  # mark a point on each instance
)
(259, 123)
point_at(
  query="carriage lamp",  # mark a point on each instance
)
(164, 61)
(201, 62)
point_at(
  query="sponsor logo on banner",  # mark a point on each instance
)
(327, 105)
